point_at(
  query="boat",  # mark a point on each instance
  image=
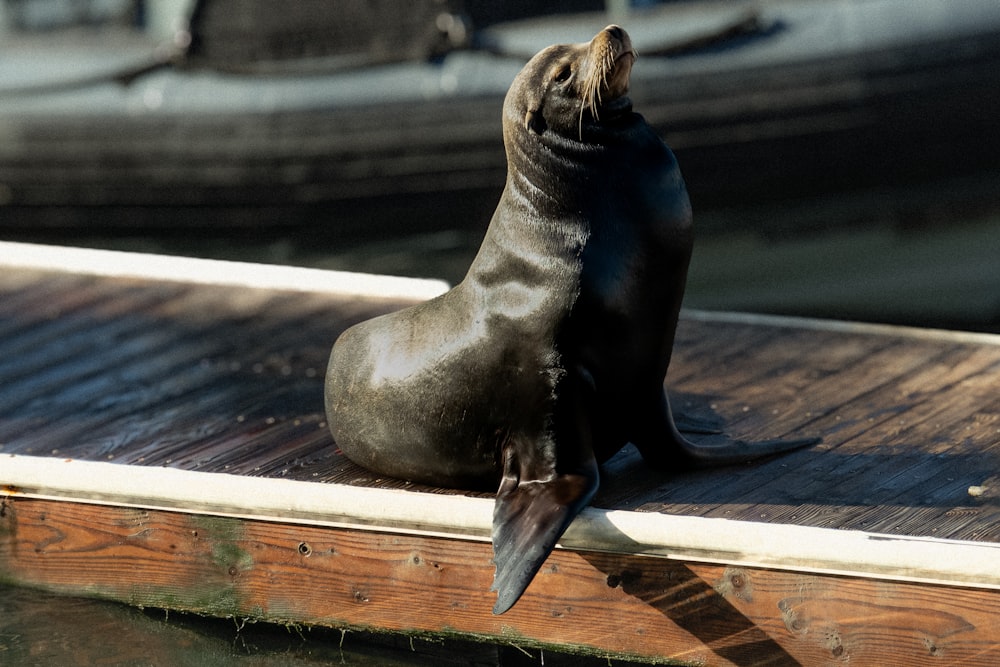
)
(297, 124)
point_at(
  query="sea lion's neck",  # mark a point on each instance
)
(558, 175)
(541, 224)
(557, 188)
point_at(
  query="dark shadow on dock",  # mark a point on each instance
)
(675, 591)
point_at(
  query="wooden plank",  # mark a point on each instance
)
(858, 381)
(228, 378)
(123, 366)
(611, 604)
(862, 428)
(695, 539)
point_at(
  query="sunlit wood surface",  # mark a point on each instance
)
(230, 380)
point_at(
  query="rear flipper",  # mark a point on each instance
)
(689, 424)
(663, 446)
(528, 518)
(546, 482)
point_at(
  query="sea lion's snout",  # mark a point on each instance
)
(626, 52)
(610, 66)
(619, 40)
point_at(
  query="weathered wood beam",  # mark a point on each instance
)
(612, 604)
(648, 534)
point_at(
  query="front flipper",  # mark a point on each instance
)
(662, 445)
(529, 517)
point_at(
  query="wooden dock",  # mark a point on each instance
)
(163, 443)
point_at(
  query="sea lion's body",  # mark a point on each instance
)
(551, 354)
(548, 295)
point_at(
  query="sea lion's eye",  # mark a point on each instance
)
(563, 74)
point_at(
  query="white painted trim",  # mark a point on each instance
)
(840, 326)
(118, 264)
(736, 543)
(114, 263)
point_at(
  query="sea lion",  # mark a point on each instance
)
(551, 353)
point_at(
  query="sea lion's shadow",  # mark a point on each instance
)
(825, 475)
(626, 478)
(671, 587)
(675, 590)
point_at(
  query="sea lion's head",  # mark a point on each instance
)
(568, 87)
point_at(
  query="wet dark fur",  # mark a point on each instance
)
(551, 354)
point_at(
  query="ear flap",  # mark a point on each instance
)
(534, 121)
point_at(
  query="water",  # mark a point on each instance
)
(40, 629)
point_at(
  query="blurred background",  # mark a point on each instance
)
(841, 155)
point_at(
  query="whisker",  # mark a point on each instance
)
(592, 92)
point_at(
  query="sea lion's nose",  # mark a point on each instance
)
(615, 34)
